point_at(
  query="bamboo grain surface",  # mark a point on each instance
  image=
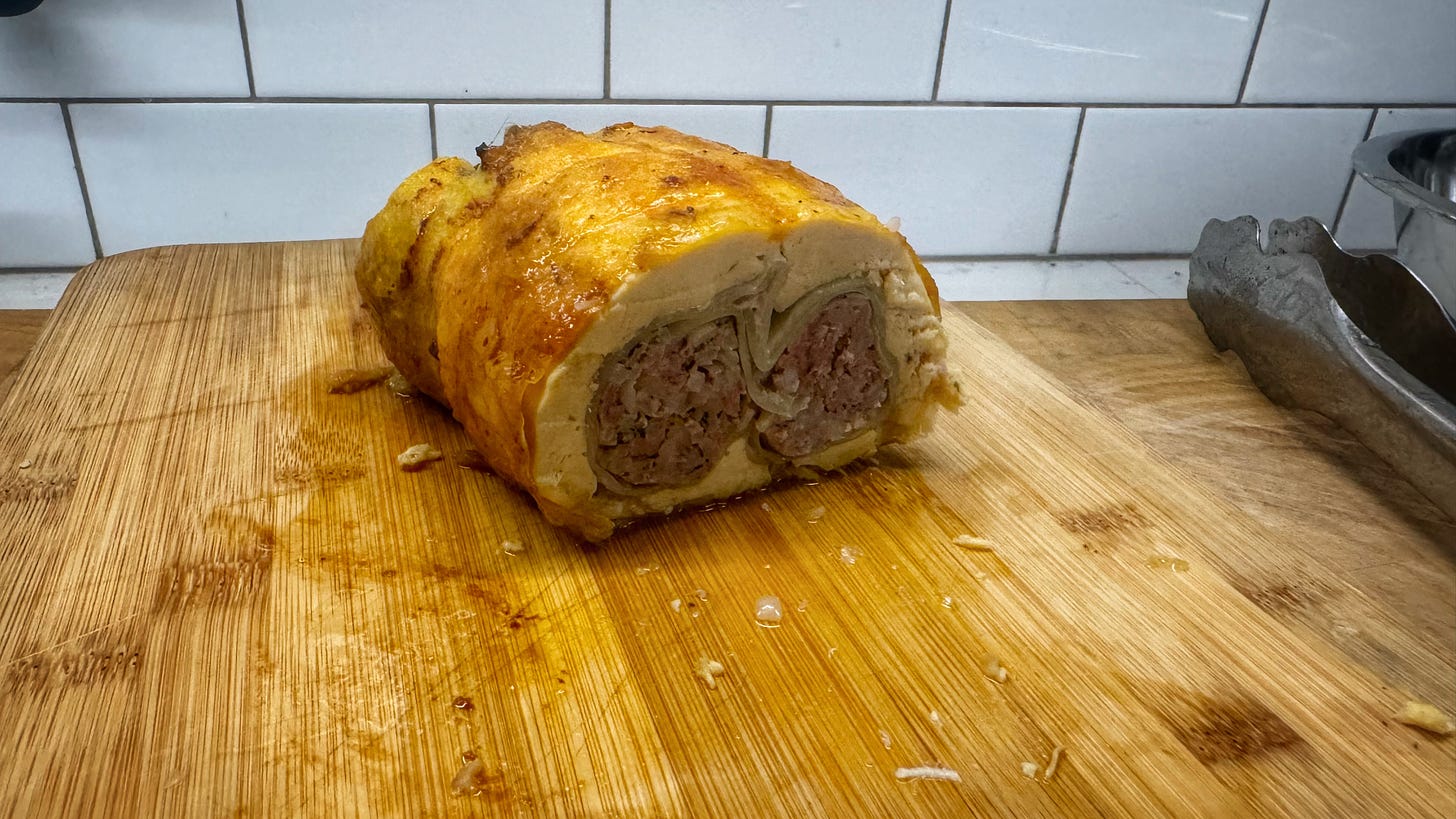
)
(220, 596)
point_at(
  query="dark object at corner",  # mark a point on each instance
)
(15, 8)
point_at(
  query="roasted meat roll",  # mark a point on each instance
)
(637, 320)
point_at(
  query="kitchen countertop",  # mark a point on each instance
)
(1148, 364)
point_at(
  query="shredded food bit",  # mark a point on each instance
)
(885, 739)
(415, 458)
(817, 514)
(1030, 769)
(676, 603)
(1426, 717)
(935, 717)
(512, 547)
(848, 555)
(946, 601)
(26, 464)
(399, 385)
(1051, 768)
(975, 544)
(992, 668)
(928, 772)
(350, 381)
(708, 671)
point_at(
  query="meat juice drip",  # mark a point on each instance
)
(768, 611)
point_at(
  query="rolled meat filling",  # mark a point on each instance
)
(834, 369)
(668, 408)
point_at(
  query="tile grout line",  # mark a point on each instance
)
(607, 49)
(940, 54)
(767, 128)
(81, 180)
(741, 103)
(434, 137)
(1253, 49)
(1067, 183)
(1350, 181)
(247, 52)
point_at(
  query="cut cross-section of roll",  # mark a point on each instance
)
(637, 321)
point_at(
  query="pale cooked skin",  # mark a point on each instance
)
(562, 247)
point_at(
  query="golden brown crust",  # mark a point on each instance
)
(524, 253)
(395, 271)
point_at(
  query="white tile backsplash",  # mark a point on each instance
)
(1037, 279)
(136, 48)
(958, 117)
(164, 174)
(1356, 51)
(1368, 222)
(32, 289)
(443, 48)
(460, 128)
(1147, 180)
(962, 180)
(1097, 50)
(772, 49)
(42, 216)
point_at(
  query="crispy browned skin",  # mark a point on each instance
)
(522, 254)
(396, 270)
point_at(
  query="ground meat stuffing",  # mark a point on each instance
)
(668, 409)
(835, 364)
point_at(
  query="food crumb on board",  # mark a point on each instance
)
(415, 458)
(946, 601)
(885, 738)
(26, 464)
(1030, 769)
(832, 651)
(352, 380)
(817, 514)
(928, 772)
(764, 506)
(848, 555)
(1426, 717)
(768, 611)
(935, 717)
(676, 603)
(975, 544)
(399, 385)
(643, 570)
(467, 779)
(992, 668)
(1051, 768)
(708, 671)
(512, 547)
(802, 607)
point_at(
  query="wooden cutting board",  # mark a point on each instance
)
(219, 595)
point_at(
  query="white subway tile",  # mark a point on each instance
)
(1041, 279)
(138, 48)
(1368, 222)
(1147, 180)
(1356, 51)
(241, 172)
(1097, 50)
(768, 49)
(444, 48)
(32, 289)
(962, 180)
(459, 128)
(42, 217)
